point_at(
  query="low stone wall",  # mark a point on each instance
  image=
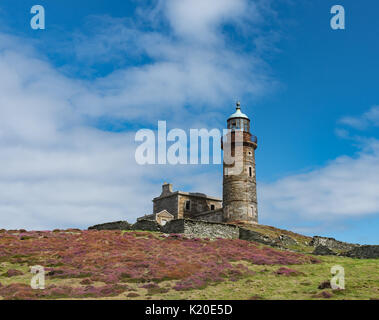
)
(146, 225)
(118, 225)
(192, 228)
(202, 229)
(332, 244)
(211, 230)
(174, 226)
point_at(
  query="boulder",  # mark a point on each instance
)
(323, 251)
(332, 243)
(325, 285)
(287, 240)
(250, 235)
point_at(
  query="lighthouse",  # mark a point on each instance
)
(239, 179)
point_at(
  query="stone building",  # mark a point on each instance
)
(239, 201)
(182, 205)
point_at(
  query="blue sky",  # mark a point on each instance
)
(74, 94)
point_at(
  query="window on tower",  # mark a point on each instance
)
(246, 125)
(250, 171)
(188, 205)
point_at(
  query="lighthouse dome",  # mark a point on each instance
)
(238, 113)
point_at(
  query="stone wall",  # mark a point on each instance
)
(202, 229)
(192, 228)
(146, 225)
(211, 216)
(213, 230)
(174, 226)
(118, 225)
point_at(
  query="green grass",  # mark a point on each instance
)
(361, 282)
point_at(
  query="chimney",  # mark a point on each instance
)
(166, 189)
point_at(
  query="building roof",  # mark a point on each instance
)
(167, 191)
(238, 113)
(188, 194)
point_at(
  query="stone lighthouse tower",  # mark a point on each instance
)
(239, 181)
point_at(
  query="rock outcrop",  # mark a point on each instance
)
(118, 225)
(323, 251)
(332, 244)
(250, 235)
(203, 229)
(364, 252)
(287, 240)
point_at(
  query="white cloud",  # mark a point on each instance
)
(347, 187)
(199, 20)
(192, 62)
(367, 119)
(58, 171)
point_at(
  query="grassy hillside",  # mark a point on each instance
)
(301, 242)
(145, 265)
(273, 232)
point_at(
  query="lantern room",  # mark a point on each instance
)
(239, 120)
